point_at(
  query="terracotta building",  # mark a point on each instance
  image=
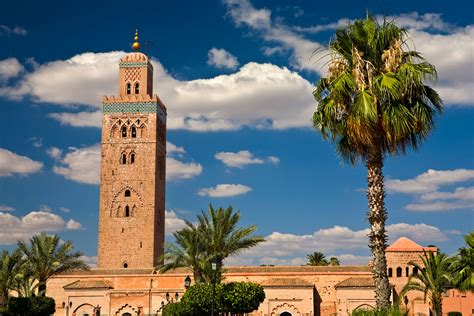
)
(131, 232)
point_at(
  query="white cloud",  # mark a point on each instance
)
(172, 149)
(54, 152)
(91, 261)
(9, 31)
(176, 170)
(10, 68)
(242, 158)
(341, 242)
(65, 210)
(45, 208)
(16, 228)
(73, 225)
(80, 165)
(225, 190)
(222, 59)
(460, 193)
(36, 141)
(173, 223)
(274, 160)
(6, 208)
(11, 163)
(256, 95)
(439, 206)
(430, 181)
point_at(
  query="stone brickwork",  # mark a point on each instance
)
(132, 186)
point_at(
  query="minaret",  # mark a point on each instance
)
(132, 178)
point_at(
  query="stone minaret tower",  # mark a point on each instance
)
(132, 178)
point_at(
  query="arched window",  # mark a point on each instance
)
(127, 193)
(125, 265)
(132, 158)
(399, 272)
(407, 271)
(128, 88)
(127, 211)
(137, 88)
(134, 132)
(124, 159)
(415, 271)
(390, 272)
(124, 131)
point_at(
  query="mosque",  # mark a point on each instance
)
(131, 232)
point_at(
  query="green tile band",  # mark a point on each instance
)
(133, 107)
(133, 64)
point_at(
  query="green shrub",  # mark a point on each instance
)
(175, 309)
(454, 314)
(392, 311)
(32, 306)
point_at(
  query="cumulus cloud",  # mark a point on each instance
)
(10, 68)
(6, 208)
(91, 261)
(173, 149)
(242, 158)
(430, 181)
(173, 223)
(224, 190)
(81, 165)
(54, 152)
(11, 163)
(222, 59)
(341, 242)
(10, 31)
(256, 95)
(425, 188)
(176, 169)
(16, 228)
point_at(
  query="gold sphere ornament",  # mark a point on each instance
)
(136, 44)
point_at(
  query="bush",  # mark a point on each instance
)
(393, 311)
(175, 309)
(32, 306)
(454, 314)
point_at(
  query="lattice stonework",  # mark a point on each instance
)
(133, 74)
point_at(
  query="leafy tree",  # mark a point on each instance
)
(462, 267)
(223, 237)
(9, 271)
(317, 259)
(25, 283)
(241, 297)
(189, 252)
(374, 102)
(46, 258)
(333, 261)
(432, 279)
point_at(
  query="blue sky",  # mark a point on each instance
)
(236, 77)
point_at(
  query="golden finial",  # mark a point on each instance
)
(136, 44)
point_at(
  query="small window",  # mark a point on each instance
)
(399, 272)
(132, 158)
(415, 271)
(134, 132)
(407, 271)
(124, 131)
(129, 88)
(127, 211)
(125, 265)
(389, 272)
(124, 159)
(137, 88)
(141, 244)
(127, 193)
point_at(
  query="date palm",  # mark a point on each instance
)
(462, 266)
(11, 264)
(188, 252)
(333, 261)
(223, 237)
(373, 102)
(317, 259)
(47, 257)
(432, 279)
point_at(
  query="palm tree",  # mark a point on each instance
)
(317, 259)
(374, 102)
(333, 261)
(223, 237)
(462, 266)
(47, 258)
(432, 279)
(25, 283)
(189, 252)
(9, 270)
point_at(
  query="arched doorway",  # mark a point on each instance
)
(285, 314)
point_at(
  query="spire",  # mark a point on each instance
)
(136, 44)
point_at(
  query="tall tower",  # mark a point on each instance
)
(132, 179)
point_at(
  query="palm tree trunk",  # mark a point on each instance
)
(377, 238)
